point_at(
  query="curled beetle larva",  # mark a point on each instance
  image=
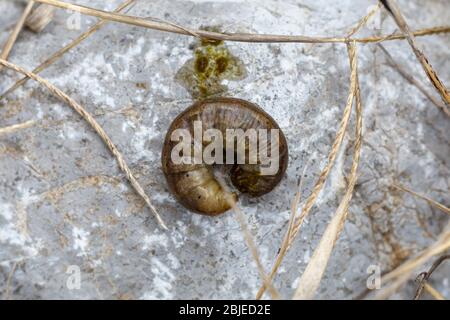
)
(192, 181)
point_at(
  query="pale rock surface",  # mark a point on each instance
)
(64, 202)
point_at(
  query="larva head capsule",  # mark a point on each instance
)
(222, 131)
(40, 17)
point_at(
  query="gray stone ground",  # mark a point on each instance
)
(64, 202)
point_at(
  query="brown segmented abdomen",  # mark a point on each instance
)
(195, 185)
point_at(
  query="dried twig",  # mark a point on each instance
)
(429, 200)
(54, 57)
(253, 249)
(311, 277)
(323, 176)
(7, 292)
(98, 129)
(294, 208)
(248, 237)
(364, 20)
(15, 127)
(15, 33)
(392, 7)
(425, 276)
(413, 81)
(433, 292)
(402, 274)
(162, 25)
(399, 36)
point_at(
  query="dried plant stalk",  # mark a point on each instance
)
(16, 127)
(364, 20)
(413, 81)
(294, 209)
(392, 7)
(253, 249)
(311, 277)
(97, 128)
(402, 274)
(434, 293)
(40, 17)
(320, 181)
(161, 25)
(427, 199)
(7, 293)
(240, 217)
(15, 33)
(398, 36)
(425, 276)
(54, 57)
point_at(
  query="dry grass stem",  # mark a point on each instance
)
(7, 293)
(413, 81)
(97, 128)
(424, 277)
(323, 175)
(161, 25)
(16, 127)
(429, 200)
(248, 237)
(334, 150)
(433, 292)
(392, 7)
(397, 36)
(253, 249)
(439, 246)
(311, 277)
(294, 209)
(54, 57)
(399, 276)
(15, 33)
(364, 20)
(284, 246)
